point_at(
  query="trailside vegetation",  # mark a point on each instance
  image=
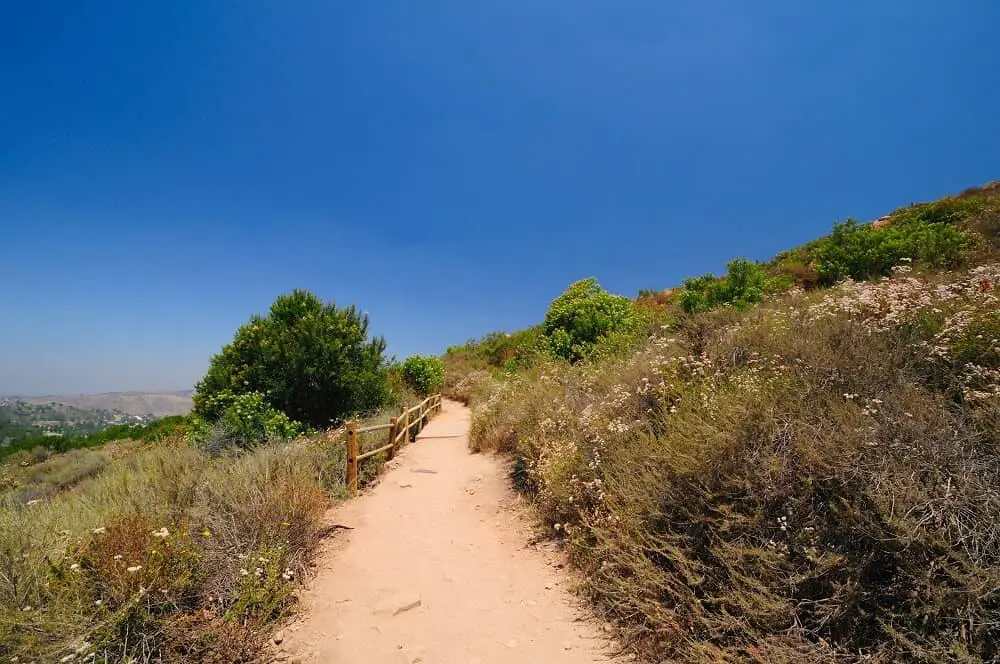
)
(801, 464)
(582, 316)
(423, 373)
(311, 360)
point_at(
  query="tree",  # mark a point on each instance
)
(309, 359)
(423, 373)
(582, 316)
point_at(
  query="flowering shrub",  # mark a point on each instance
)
(244, 420)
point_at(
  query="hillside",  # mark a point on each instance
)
(157, 404)
(797, 461)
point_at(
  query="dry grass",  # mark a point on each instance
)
(815, 480)
(162, 553)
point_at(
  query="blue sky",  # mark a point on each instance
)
(167, 169)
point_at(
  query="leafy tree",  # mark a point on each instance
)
(423, 373)
(582, 316)
(309, 359)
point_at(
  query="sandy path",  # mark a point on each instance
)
(444, 529)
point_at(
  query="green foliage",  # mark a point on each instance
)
(500, 349)
(153, 432)
(244, 420)
(862, 251)
(423, 373)
(311, 360)
(948, 210)
(745, 282)
(580, 317)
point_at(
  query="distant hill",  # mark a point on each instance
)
(158, 404)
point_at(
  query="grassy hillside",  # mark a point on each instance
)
(166, 552)
(796, 462)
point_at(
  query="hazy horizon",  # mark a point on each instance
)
(72, 394)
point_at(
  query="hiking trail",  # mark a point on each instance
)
(438, 568)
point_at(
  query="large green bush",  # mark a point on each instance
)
(423, 373)
(863, 251)
(583, 315)
(311, 360)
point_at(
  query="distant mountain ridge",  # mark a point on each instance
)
(156, 403)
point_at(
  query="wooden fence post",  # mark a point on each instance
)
(393, 430)
(352, 456)
(406, 424)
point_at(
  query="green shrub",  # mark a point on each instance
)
(155, 431)
(244, 420)
(311, 360)
(948, 210)
(423, 373)
(582, 316)
(499, 349)
(745, 282)
(862, 251)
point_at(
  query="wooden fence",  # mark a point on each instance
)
(401, 429)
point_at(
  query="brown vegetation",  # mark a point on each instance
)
(160, 552)
(812, 479)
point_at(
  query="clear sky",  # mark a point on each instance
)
(168, 168)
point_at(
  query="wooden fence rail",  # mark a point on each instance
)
(401, 429)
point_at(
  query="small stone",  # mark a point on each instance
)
(399, 603)
(405, 485)
(567, 645)
(511, 644)
(278, 638)
(549, 586)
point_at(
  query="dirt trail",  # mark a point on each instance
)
(437, 569)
